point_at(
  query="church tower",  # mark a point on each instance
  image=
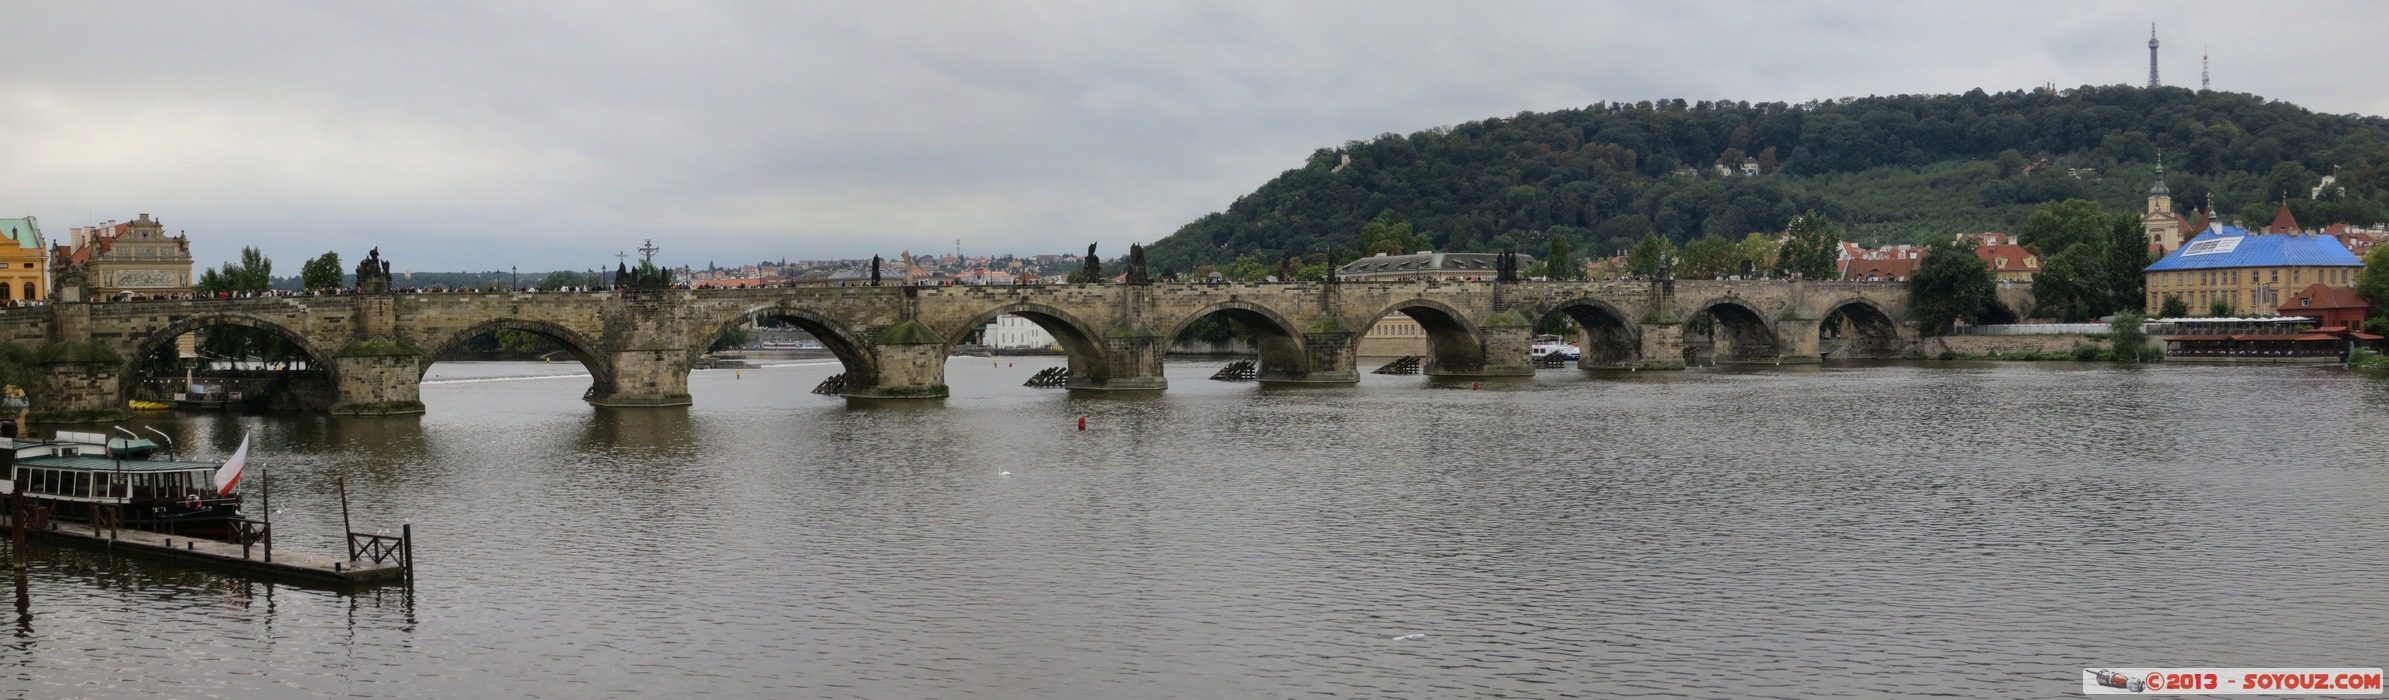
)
(2152, 54)
(2164, 227)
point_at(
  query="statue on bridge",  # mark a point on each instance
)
(1094, 268)
(1136, 265)
(875, 271)
(373, 273)
(1505, 267)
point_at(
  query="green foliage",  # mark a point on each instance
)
(2091, 261)
(1383, 235)
(1559, 262)
(1903, 168)
(1248, 268)
(322, 272)
(2085, 352)
(254, 273)
(2130, 340)
(2174, 306)
(736, 338)
(2221, 307)
(16, 371)
(2373, 284)
(1648, 254)
(378, 346)
(1947, 355)
(2368, 360)
(567, 278)
(1709, 257)
(1811, 248)
(1951, 285)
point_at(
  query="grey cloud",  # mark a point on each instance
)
(467, 135)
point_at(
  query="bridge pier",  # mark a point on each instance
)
(1131, 363)
(643, 378)
(79, 383)
(1796, 341)
(1507, 351)
(378, 377)
(1327, 358)
(1662, 346)
(908, 362)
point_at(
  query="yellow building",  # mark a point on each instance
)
(1395, 335)
(24, 262)
(2253, 272)
(135, 257)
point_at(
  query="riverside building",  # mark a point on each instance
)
(2253, 272)
(24, 262)
(134, 257)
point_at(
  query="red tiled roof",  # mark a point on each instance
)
(2325, 297)
(2009, 258)
(1881, 269)
(2282, 221)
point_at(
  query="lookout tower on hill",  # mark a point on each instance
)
(2152, 54)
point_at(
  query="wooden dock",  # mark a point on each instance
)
(294, 567)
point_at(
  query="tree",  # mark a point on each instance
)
(2373, 284)
(1383, 235)
(561, 279)
(1644, 260)
(2221, 307)
(1811, 248)
(322, 272)
(1560, 263)
(254, 273)
(736, 338)
(1248, 268)
(1709, 257)
(1754, 255)
(2173, 307)
(2131, 343)
(2091, 261)
(2127, 258)
(2054, 227)
(1951, 285)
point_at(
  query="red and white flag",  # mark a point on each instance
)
(229, 475)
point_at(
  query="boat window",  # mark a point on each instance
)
(83, 484)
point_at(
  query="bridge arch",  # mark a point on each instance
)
(1610, 338)
(581, 347)
(1872, 332)
(1080, 342)
(1454, 343)
(319, 360)
(1283, 352)
(862, 369)
(1739, 331)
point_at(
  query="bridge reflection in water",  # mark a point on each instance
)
(373, 349)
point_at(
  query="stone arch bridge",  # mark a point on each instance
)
(893, 341)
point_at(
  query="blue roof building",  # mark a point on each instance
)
(2249, 272)
(2232, 246)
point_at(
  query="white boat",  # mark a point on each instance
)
(1565, 351)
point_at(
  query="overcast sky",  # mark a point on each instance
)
(478, 135)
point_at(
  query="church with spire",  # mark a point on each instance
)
(2166, 229)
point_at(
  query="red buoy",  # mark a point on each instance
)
(1082, 424)
(1472, 386)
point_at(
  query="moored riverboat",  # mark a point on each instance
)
(87, 478)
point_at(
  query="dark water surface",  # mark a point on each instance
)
(1959, 530)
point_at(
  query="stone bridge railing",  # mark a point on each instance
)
(373, 349)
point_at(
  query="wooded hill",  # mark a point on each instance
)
(1907, 168)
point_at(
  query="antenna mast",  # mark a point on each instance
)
(2203, 77)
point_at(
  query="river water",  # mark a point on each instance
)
(1969, 530)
